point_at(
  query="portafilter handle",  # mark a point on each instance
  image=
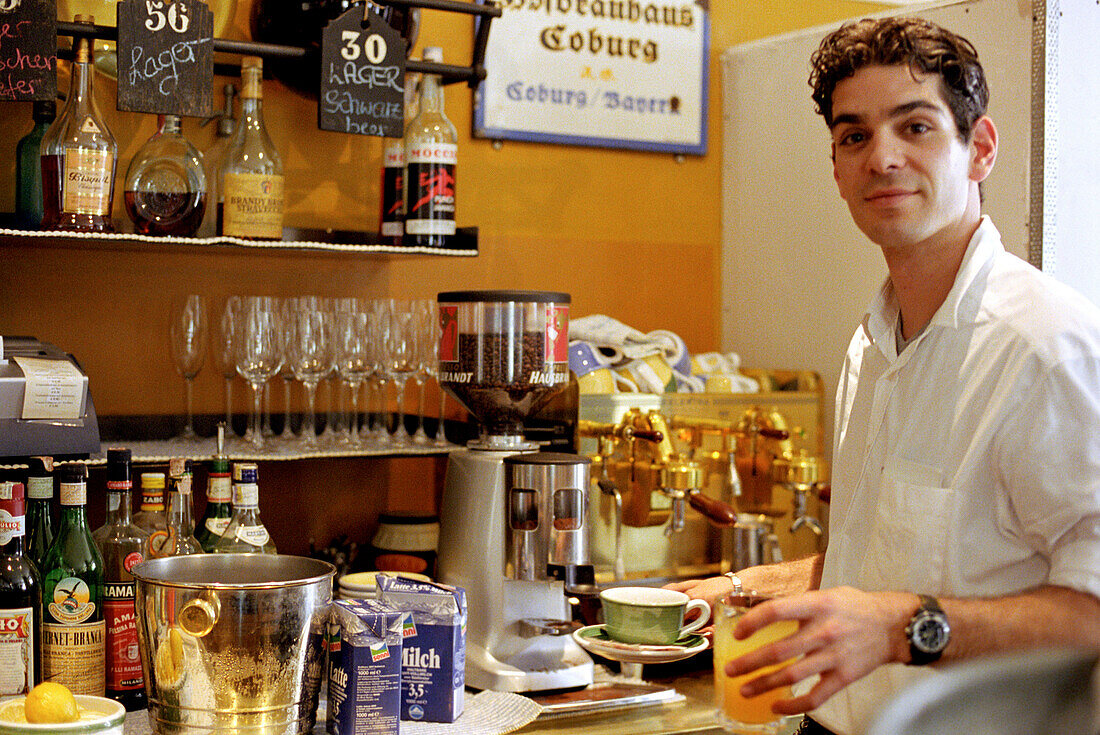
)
(715, 511)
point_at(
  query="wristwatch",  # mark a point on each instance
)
(928, 632)
(736, 582)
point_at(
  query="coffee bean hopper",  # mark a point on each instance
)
(513, 526)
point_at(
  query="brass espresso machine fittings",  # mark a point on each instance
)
(650, 482)
(801, 474)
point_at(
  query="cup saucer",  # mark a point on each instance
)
(594, 639)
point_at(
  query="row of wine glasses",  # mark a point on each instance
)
(353, 343)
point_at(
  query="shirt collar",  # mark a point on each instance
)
(961, 304)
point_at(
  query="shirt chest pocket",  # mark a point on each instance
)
(908, 542)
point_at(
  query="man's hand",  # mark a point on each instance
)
(843, 635)
(711, 589)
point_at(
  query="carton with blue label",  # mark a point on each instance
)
(364, 683)
(433, 660)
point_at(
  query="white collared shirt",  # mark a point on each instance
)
(968, 465)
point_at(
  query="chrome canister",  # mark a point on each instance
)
(233, 643)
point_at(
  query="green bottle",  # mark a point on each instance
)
(28, 167)
(219, 511)
(73, 628)
(39, 514)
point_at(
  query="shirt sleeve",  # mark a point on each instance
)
(1049, 458)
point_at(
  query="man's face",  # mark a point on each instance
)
(898, 161)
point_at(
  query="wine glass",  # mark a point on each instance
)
(286, 372)
(307, 354)
(258, 357)
(424, 317)
(399, 353)
(188, 337)
(378, 328)
(225, 355)
(353, 361)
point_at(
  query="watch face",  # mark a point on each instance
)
(930, 634)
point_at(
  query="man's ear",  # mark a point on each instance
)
(983, 148)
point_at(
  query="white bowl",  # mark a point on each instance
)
(111, 716)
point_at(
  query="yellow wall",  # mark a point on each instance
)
(633, 235)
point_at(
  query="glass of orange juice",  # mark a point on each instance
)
(737, 713)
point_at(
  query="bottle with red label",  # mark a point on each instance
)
(391, 227)
(122, 545)
(20, 599)
(431, 152)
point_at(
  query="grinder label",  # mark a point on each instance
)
(557, 333)
(448, 333)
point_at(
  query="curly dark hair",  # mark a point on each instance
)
(923, 46)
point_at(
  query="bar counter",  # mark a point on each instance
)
(693, 679)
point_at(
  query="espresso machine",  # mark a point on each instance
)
(513, 525)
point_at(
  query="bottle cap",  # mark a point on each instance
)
(44, 110)
(40, 466)
(152, 480)
(84, 18)
(246, 472)
(118, 466)
(176, 466)
(252, 62)
(433, 53)
(74, 473)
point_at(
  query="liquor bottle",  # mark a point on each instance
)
(72, 595)
(122, 545)
(391, 227)
(250, 197)
(39, 514)
(212, 160)
(150, 517)
(20, 598)
(79, 155)
(165, 188)
(28, 166)
(219, 511)
(246, 532)
(431, 152)
(181, 523)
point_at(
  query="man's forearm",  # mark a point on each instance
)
(784, 578)
(1044, 616)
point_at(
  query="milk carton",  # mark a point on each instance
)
(433, 661)
(364, 682)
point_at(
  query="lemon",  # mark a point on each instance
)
(51, 702)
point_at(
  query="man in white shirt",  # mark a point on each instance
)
(965, 509)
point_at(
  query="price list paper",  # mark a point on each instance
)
(165, 57)
(608, 73)
(362, 86)
(28, 50)
(54, 389)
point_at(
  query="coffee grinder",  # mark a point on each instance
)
(513, 526)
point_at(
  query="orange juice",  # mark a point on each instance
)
(752, 714)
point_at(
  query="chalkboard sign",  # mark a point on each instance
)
(165, 57)
(362, 76)
(28, 50)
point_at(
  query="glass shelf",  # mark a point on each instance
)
(274, 450)
(295, 240)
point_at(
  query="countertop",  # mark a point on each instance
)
(693, 712)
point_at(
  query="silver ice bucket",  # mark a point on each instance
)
(233, 643)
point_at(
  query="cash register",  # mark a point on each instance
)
(45, 405)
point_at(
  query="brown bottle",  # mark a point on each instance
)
(79, 155)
